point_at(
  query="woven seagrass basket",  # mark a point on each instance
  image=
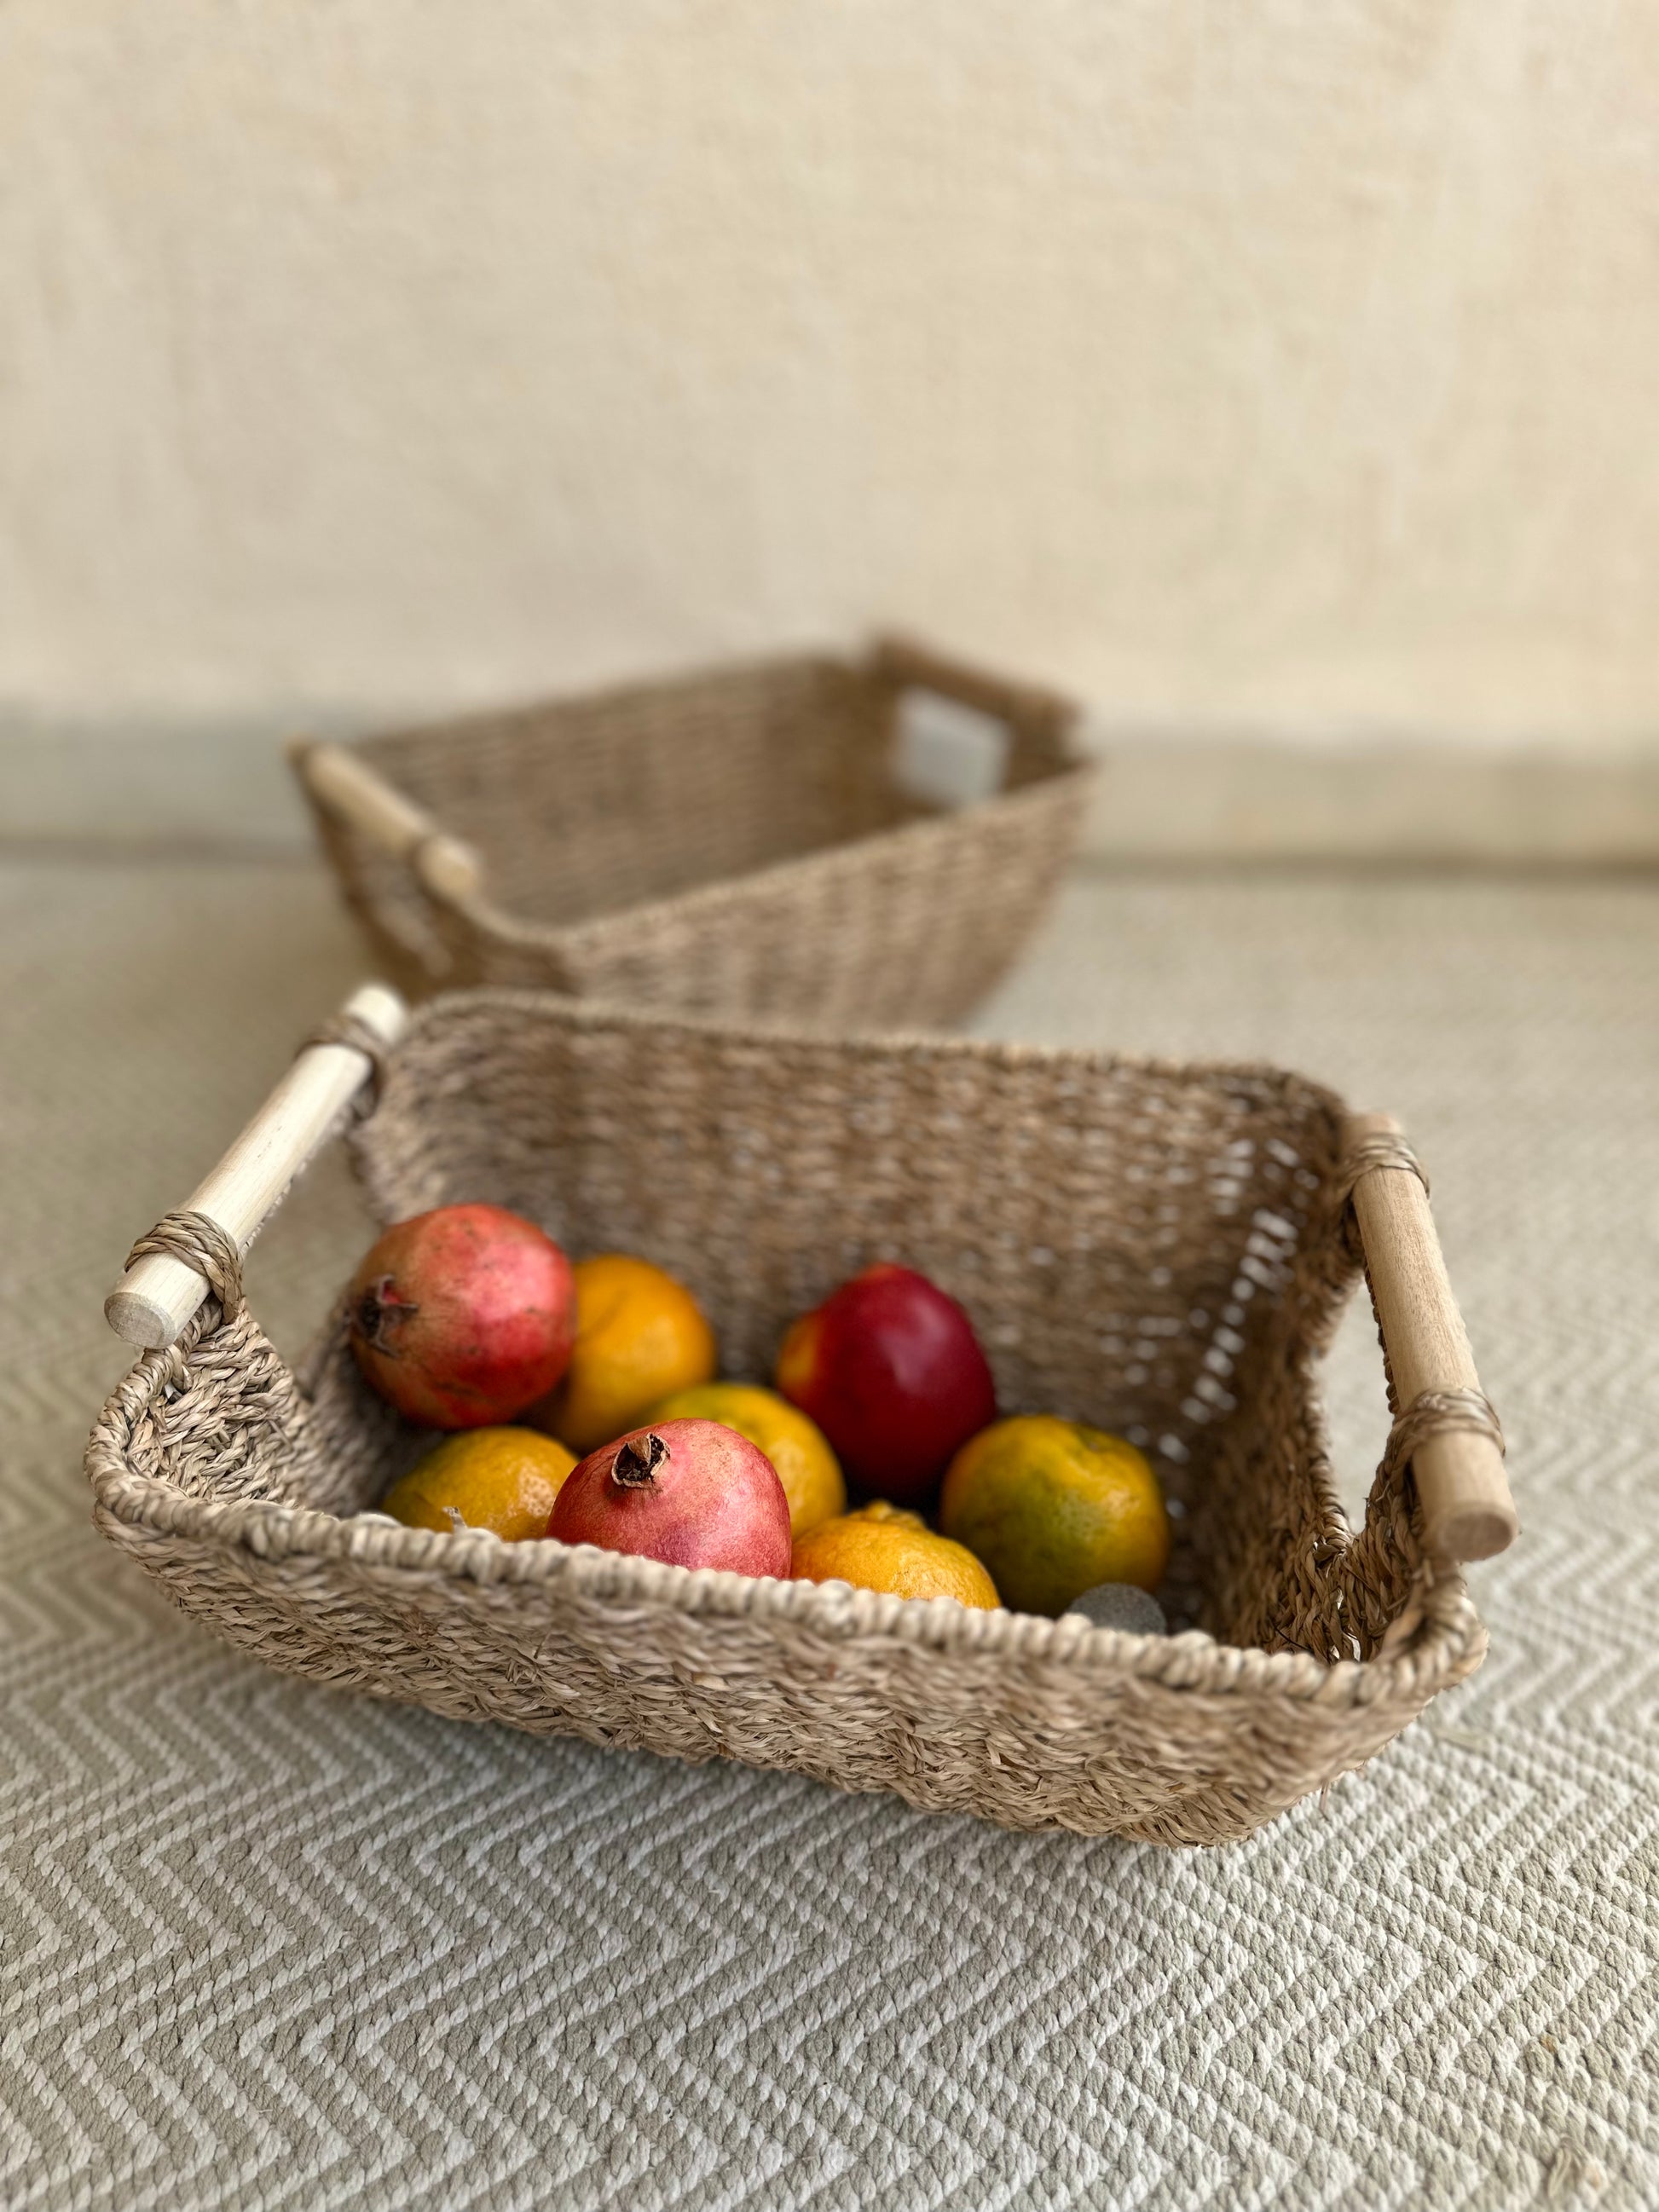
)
(1160, 1249)
(753, 841)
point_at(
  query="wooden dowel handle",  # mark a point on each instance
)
(1462, 1489)
(158, 1294)
(348, 787)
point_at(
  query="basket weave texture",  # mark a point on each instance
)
(1159, 1250)
(735, 844)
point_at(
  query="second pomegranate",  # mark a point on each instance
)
(890, 1369)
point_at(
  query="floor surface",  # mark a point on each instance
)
(263, 1945)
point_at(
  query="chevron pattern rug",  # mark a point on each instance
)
(262, 1946)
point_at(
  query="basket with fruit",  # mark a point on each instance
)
(836, 842)
(929, 1416)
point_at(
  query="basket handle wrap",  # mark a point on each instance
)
(1026, 707)
(1443, 1425)
(341, 784)
(161, 1290)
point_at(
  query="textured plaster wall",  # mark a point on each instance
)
(1292, 365)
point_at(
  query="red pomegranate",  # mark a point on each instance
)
(463, 1316)
(889, 1369)
(693, 1493)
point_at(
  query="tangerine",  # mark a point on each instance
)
(640, 1336)
(502, 1480)
(882, 1547)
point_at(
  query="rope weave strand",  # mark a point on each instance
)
(1434, 1414)
(1380, 1150)
(198, 1240)
(349, 1029)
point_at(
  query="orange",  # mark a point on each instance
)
(1053, 1507)
(882, 1547)
(797, 1447)
(504, 1480)
(640, 1336)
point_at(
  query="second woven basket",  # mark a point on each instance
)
(744, 842)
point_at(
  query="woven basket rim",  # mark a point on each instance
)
(750, 1031)
(848, 857)
(601, 1013)
(1192, 1661)
(1061, 714)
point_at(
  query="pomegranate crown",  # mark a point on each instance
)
(637, 1460)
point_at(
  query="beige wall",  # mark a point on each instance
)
(1289, 365)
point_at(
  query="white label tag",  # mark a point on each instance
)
(947, 755)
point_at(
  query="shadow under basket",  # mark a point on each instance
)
(838, 843)
(1158, 1250)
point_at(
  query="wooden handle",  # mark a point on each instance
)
(158, 1294)
(1462, 1487)
(347, 787)
(902, 662)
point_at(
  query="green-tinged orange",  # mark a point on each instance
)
(1053, 1508)
(502, 1480)
(797, 1447)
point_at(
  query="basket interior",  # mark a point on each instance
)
(1154, 1249)
(655, 790)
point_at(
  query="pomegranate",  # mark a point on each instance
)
(889, 1369)
(464, 1316)
(691, 1493)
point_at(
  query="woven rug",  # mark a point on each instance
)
(264, 1946)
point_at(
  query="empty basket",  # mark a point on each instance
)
(1157, 1248)
(761, 840)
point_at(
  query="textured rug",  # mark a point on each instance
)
(261, 1945)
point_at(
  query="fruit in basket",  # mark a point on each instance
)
(462, 1317)
(692, 1493)
(1054, 1507)
(503, 1480)
(882, 1547)
(889, 1369)
(640, 1336)
(797, 1447)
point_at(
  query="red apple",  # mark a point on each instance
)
(464, 1316)
(693, 1493)
(889, 1369)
